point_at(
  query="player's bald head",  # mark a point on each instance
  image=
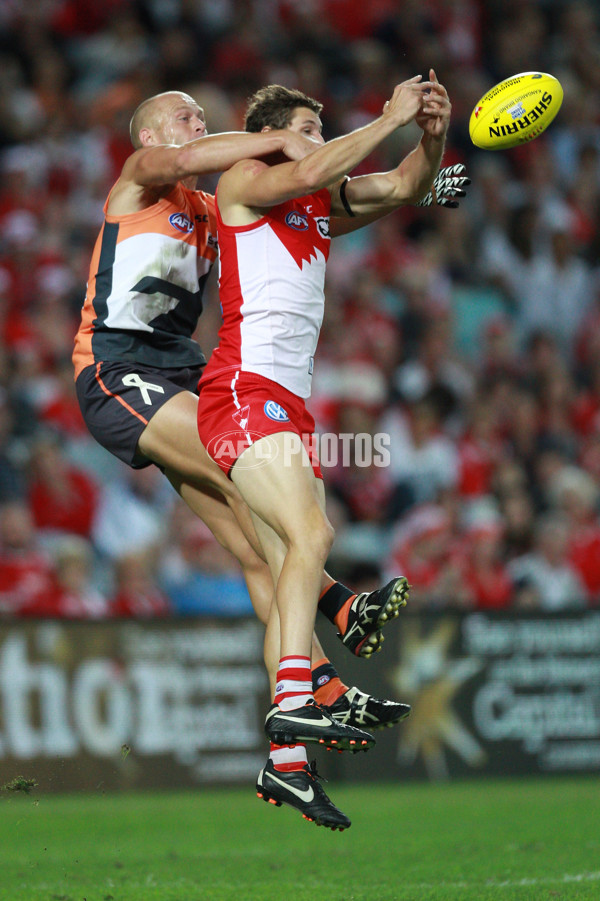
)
(151, 112)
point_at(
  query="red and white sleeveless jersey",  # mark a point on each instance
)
(147, 275)
(271, 286)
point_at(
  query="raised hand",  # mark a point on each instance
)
(434, 117)
(448, 187)
(407, 101)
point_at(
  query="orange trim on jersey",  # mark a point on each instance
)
(82, 352)
(116, 396)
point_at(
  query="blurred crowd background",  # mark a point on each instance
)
(470, 336)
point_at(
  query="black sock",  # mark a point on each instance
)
(323, 674)
(332, 601)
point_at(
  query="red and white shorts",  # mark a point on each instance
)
(237, 409)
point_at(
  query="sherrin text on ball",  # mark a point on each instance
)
(515, 111)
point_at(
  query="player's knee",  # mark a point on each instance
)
(317, 538)
(328, 536)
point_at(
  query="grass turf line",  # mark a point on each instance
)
(509, 839)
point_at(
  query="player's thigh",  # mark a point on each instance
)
(275, 477)
(171, 439)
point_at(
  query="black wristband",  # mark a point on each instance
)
(343, 197)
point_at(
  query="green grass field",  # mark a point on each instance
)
(473, 840)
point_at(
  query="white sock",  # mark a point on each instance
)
(288, 758)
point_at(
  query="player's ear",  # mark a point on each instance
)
(266, 128)
(146, 137)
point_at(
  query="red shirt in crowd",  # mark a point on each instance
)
(68, 505)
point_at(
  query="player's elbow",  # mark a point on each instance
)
(158, 165)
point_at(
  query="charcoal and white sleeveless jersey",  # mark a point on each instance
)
(271, 281)
(147, 274)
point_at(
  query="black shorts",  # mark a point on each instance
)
(118, 400)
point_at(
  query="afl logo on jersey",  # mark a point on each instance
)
(181, 222)
(297, 220)
(275, 412)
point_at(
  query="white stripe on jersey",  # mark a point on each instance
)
(150, 255)
(280, 328)
(243, 423)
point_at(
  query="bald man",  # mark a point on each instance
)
(137, 366)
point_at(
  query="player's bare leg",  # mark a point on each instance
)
(171, 440)
(172, 437)
(284, 495)
(347, 704)
(287, 778)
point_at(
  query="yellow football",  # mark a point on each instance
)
(515, 111)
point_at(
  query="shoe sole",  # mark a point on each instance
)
(343, 744)
(371, 644)
(264, 795)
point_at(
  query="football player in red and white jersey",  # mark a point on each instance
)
(273, 229)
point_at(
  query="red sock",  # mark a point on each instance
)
(294, 682)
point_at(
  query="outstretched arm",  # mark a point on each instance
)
(168, 163)
(369, 197)
(253, 184)
(447, 190)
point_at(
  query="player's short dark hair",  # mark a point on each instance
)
(274, 107)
